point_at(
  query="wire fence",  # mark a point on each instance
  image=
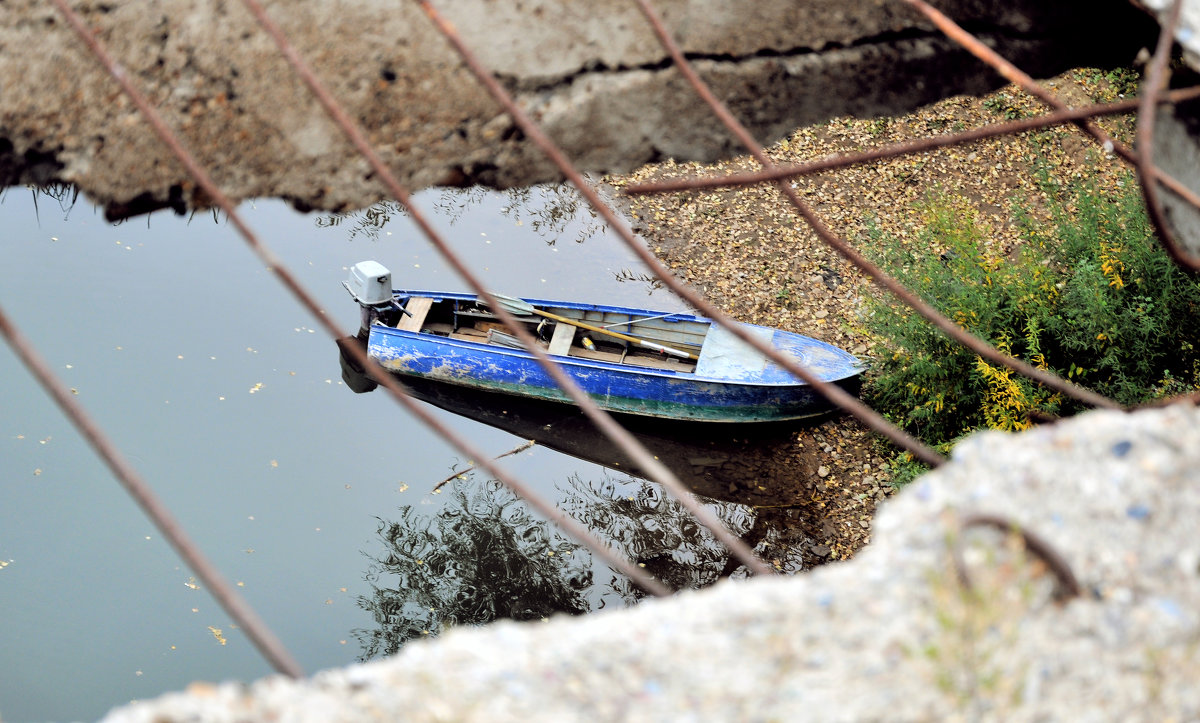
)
(1151, 178)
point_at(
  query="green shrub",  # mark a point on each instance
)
(1091, 296)
(1127, 318)
(926, 382)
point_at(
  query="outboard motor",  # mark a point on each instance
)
(370, 284)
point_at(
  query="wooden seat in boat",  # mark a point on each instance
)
(560, 342)
(419, 308)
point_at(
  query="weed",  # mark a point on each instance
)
(1091, 296)
(1005, 105)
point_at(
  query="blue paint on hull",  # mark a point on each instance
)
(731, 382)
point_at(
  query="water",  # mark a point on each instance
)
(313, 499)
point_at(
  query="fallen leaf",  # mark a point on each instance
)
(216, 632)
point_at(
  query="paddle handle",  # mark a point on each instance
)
(618, 335)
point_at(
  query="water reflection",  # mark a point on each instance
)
(270, 490)
(63, 195)
(550, 211)
(482, 556)
(636, 518)
(487, 556)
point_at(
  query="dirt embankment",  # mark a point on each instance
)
(751, 255)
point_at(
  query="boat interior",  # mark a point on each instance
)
(653, 341)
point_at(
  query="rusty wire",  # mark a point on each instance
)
(229, 599)
(834, 393)
(1067, 587)
(1148, 173)
(258, 633)
(1015, 75)
(629, 444)
(935, 317)
(568, 525)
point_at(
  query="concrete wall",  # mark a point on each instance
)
(590, 70)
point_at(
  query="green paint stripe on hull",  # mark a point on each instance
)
(641, 407)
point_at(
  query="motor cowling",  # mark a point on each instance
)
(370, 283)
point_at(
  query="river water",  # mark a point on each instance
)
(315, 500)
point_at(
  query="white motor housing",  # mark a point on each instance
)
(370, 283)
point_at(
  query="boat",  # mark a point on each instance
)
(760, 465)
(667, 365)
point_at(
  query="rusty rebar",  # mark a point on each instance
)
(260, 635)
(939, 320)
(568, 525)
(1068, 585)
(533, 132)
(1022, 79)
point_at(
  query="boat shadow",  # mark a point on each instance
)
(756, 464)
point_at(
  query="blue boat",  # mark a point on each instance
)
(629, 361)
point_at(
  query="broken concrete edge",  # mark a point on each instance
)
(934, 620)
(1188, 32)
(590, 72)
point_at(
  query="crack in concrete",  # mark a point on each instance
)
(990, 34)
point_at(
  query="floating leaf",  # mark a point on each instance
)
(216, 632)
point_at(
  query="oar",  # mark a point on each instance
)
(520, 307)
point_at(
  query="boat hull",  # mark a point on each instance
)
(726, 385)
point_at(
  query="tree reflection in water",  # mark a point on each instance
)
(641, 522)
(550, 209)
(485, 555)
